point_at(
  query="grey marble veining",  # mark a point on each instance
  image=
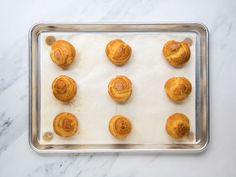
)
(16, 157)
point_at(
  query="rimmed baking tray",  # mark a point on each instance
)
(143, 31)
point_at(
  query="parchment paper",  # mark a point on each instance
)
(148, 108)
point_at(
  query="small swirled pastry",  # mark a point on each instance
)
(64, 88)
(65, 124)
(62, 53)
(118, 52)
(178, 88)
(176, 53)
(120, 89)
(120, 126)
(177, 125)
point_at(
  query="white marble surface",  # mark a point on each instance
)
(16, 157)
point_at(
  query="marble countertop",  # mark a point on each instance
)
(16, 157)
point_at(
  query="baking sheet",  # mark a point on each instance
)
(148, 108)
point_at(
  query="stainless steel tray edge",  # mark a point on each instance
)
(201, 144)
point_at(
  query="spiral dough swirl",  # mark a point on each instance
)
(120, 88)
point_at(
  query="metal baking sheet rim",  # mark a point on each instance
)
(203, 34)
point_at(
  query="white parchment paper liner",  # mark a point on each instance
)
(148, 108)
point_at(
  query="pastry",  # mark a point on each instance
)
(120, 88)
(65, 124)
(177, 125)
(62, 53)
(178, 88)
(118, 52)
(176, 53)
(120, 126)
(64, 88)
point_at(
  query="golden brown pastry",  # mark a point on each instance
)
(176, 53)
(62, 53)
(64, 88)
(178, 88)
(120, 89)
(177, 125)
(118, 52)
(65, 124)
(120, 126)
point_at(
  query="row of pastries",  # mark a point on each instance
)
(177, 88)
(64, 88)
(118, 52)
